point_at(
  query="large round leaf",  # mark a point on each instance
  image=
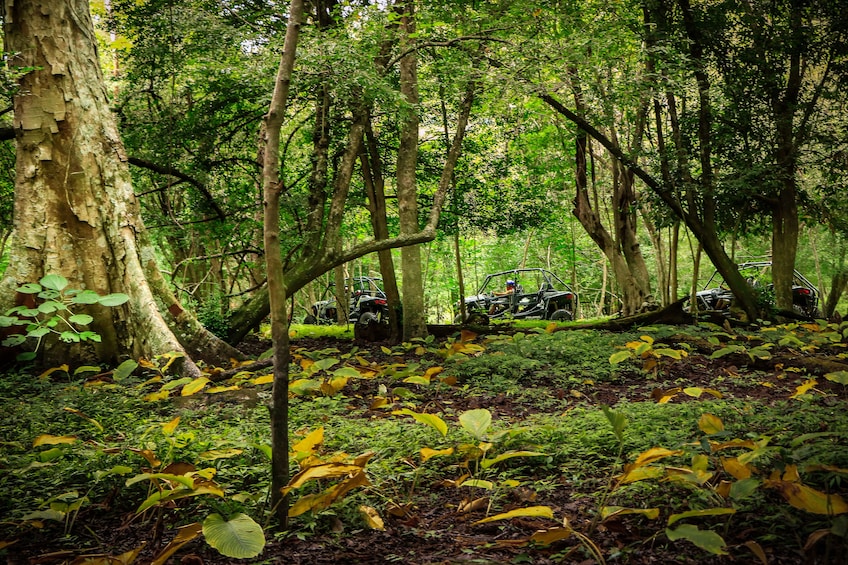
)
(241, 537)
(54, 282)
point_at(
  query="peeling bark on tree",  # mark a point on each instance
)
(75, 211)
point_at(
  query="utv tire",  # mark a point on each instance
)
(310, 319)
(477, 319)
(562, 315)
(367, 318)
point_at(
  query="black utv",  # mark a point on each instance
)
(521, 294)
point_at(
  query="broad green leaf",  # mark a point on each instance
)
(743, 488)
(417, 380)
(51, 454)
(51, 306)
(29, 288)
(240, 537)
(69, 337)
(705, 512)
(640, 474)
(14, 340)
(349, 372)
(476, 422)
(38, 332)
(619, 356)
(187, 482)
(707, 540)
(86, 297)
(88, 335)
(724, 351)
(303, 386)
(54, 282)
(169, 495)
(840, 377)
(124, 370)
(617, 420)
(531, 512)
(673, 353)
(403, 392)
(116, 470)
(81, 319)
(171, 385)
(326, 363)
(428, 419)
(114, 299)
(45, 515)
(479, 483)
(486, 463)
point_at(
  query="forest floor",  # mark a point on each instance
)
(433, 530)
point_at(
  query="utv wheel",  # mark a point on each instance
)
(562, 315)
(367, 318)
(477, 319)
(310, 319)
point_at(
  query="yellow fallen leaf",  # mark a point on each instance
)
(530, 512)
(310, 442)
(47, 439)
(548, 537)
(804, 388)
(263, 380)
(154, 396)
(710, 424)
(194, 386)
(169, 428)
(427, 453)
(372, 518)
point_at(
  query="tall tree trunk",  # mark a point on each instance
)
(632, 296)
(372, 173)
(272, 189)
(414, 317)
(75, 211)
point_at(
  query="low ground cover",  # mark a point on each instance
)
(688, 444)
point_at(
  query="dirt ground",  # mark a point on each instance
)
(436, 533)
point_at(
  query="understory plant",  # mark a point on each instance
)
(50, 307)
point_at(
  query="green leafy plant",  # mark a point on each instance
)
(51, 311)
(648, 351)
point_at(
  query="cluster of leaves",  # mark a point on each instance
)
(723, 473)
(488, 461)
(51, 311)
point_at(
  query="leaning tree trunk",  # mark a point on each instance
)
(75, 211)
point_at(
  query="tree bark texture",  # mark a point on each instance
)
(414, 320)
(75, 211)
